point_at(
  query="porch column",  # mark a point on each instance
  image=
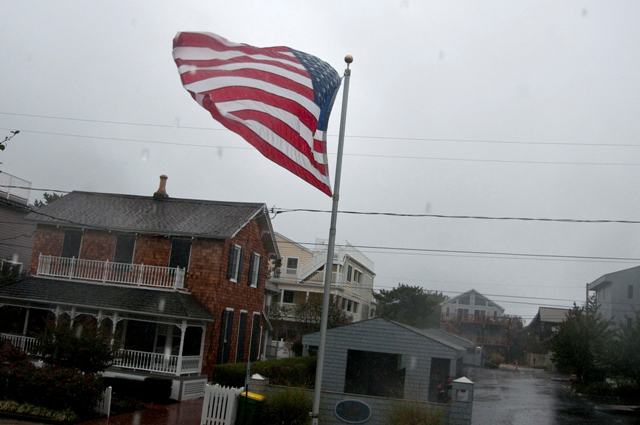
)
(57, 313)
(26, 322)
(72, 316)
(114, 324)
(183, 330)
(204, 330)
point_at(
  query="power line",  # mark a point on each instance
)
(277, 211)
(364, 155)
(352, 136)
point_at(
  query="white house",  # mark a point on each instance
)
(618, 295)
(470, 305)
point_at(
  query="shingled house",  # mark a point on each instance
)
(179, 283)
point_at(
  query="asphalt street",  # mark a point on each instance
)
(532, 397)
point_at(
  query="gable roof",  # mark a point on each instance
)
(608, 278)
(552, 314)
(144, 214)
(134, 300)
(308, 339)
(469, 292)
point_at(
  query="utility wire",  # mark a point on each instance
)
(352, 136)
(277, 211)
(364, 155)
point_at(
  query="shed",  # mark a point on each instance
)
(380, 357)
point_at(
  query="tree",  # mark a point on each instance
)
(582, 344)
(310, 314)
(627, 351)
(48, 197)
(412, 305)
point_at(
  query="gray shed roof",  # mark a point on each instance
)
(144, 214)
(149, 302)
(436, 335)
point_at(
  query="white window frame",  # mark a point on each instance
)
(349, 272)
(358, 273)
(255, 270)
(237, 252)
(286, 266)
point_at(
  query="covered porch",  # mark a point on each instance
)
(154, 338)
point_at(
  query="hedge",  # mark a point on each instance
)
(293, 372)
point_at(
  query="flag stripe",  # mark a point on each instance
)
(214, 83)
(284, 133)
(300, 79)
(220, 44)
(270, 151)
(283, 82)
(283, 115)
(205, 53)
(241, 93)
(240, 59)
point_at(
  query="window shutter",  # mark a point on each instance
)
(250, 275)
(232, 251)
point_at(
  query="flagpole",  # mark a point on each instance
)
(328, 267)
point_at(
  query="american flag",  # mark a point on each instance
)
(277, 98)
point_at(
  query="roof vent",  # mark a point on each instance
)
(161, 193)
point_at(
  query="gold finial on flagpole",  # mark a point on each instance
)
(348, 59)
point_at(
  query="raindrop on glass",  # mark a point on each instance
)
(161, 305)
(144, 154)
(584, 12)
(176, 121)
(441, 55)
(79, 331)
(220, 152)
(136, 419)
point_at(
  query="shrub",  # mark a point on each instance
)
(10, 406)
(495, 360)
(293, 372)
(287, 407)
(52, 388)
(408, 413)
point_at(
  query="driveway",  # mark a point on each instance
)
(532, 397)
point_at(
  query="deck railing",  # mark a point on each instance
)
(24, 343)
(157, 362)
(111, 272)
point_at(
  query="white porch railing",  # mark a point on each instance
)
(25, 343)
(157, 362)
(110, 272)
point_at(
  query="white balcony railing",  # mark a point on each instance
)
(110, 272)
(24, 343)
(158, 362)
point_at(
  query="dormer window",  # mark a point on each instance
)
(292, 265)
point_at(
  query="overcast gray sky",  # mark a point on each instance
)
(526, 71)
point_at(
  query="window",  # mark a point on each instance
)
(124, 249)
(292, 265)
(11, 267)
(344, 303)
(235, 263)
(355, 307)
(465, 300)
(376, 374)
(256, 334)
(372, 312)
(349, 305)
(254, 270)
(71, 243)
(357, 276)
(180, 250)
(242, 331)
(224, 344)
(349, 273)
(287, 297)
(630, 291)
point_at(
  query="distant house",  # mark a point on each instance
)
(379, 357)
(618, 295)
(179, 284)
(477, 318)
(539, 333)
(16, 233)
(300, 280)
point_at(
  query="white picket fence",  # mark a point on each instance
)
(104, 403)
(219, 405)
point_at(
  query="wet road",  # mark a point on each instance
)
(531, 397)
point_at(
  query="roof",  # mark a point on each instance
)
(436, 335)
(608, 278)
(159, 303)
(491, 303)
(144, 214)
(552, 314)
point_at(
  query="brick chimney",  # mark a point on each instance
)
(161, 193)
